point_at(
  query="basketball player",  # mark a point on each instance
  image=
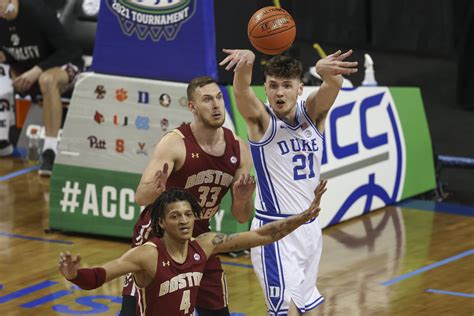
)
(286, 143)
(205, 159)
(43, 59)
(169, 267)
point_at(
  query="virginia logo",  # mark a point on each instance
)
(152, 18)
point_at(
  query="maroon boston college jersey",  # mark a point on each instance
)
(205, 176)
(174, 289)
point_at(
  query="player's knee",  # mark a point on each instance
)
(47, 81)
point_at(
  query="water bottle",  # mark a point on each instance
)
(33, 147)
(369, 77)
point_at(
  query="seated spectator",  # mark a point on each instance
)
(43, 60)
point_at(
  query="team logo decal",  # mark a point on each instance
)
(152, 18)
(98, 117)
(197, 257)
(233, 159)
(164, 123)
(100, 91)
(364, 138)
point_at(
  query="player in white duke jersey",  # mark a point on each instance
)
(286, 141)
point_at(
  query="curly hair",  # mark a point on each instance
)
(283, 67)
(170, 196)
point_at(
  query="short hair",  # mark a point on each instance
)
(169, 196)
(198, 82)
(283, 67)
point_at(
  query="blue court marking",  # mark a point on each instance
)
(46, 299)
(428, 267)
(238, 264)
(9, 176)
(26, 291)
(441, 207)
(3, 234)
(450, 293)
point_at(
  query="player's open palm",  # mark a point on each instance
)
(237, 58)
(335, 64)
(68, 265)
(243, 187)
(161, 176)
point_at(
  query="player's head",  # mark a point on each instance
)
(173, 213)
(8, 10)
(206, 102)
(283, 83)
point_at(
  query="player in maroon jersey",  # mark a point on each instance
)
(169, 267)
(205, 159)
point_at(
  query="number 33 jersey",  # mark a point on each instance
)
(206, 176)
(287, 162)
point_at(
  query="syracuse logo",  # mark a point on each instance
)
(153, 18)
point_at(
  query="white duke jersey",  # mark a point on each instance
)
(287, 161)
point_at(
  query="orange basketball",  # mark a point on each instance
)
(271, 30)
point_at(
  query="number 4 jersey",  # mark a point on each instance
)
(173, 291)
(287, 162)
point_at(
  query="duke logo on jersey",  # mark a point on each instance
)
(283, 156)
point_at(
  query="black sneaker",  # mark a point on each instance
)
(6, 149)
(47, 161)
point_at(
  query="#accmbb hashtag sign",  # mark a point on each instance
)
(107, 140)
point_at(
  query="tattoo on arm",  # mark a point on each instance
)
(219, 239)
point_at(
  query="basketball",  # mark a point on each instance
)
(271, 30)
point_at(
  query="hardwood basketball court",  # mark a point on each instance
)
(405, 260)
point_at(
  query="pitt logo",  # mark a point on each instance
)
(152, 18)
(194, 155)
(96, 143)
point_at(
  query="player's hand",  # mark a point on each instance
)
(237, 58)
(69, 265)
(159, 181)
(243, 188)
(334, 64)
(24, 82)
(313, 209)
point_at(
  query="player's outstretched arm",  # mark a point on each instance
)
(268, 233)
(133, 260)
(331, 69)
(250, 107)
(243, 187)
(161, 164)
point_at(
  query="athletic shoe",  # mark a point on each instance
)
(47, 161)
(6, 149)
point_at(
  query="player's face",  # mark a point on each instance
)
(282, 94)
(208, 105)
(179, 220)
